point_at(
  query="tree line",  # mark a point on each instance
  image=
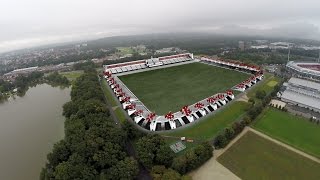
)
(23, 82)
(93, 147)
(255, 109)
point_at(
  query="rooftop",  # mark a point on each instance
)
(305, 83)
(301, 99)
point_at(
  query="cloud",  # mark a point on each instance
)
(35, 22)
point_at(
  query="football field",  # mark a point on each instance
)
(169, 89)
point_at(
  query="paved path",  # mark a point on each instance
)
(212, 169)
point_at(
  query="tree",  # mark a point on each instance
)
(92, 145)
(180, 164)
(164, 156)
(125, 169)
(229, 133)
(220, 141)
(193, 158)
(260, 94)
(150, 150)
(161, 173)
(70, 108)
(252, 101)
(131, 131)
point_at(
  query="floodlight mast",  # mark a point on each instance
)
(319, 56)
(288, 52)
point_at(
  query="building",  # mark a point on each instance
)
(241, 45)
(302, 93)
(248, 45)
(165, 50)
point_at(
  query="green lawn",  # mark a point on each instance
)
(120, 115)
(125, 50)
(107, 93)
(209, 127)
(293, 130)
(253, 157)
(72, 75)
(169, 89)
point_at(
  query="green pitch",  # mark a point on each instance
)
(254, 157)
(169, 89)
(293, 130)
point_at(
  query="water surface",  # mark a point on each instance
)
(29, 126)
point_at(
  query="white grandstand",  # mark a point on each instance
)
(308, 69)
(149, 63)
(142, 116)
(303, 93)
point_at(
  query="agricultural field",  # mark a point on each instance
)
(254, 157)
(169, 89)
(293, 130)
(209, 127)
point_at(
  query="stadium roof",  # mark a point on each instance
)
(295, 66)
(301, 99)
(305, 83)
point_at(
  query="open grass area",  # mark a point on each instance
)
(72, 75)
(120, 115)
(253, 157)
(209, 127)
(169, 89)
(293, 130)
(125, 50)
(267, 85)
(108, 94)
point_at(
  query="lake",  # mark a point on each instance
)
(29, 126)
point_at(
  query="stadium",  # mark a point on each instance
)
(169, 92)
(305, 69)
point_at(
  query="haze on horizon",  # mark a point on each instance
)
(40, 22)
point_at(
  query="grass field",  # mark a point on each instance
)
(209, 127)
(108, 94)
(120, 115)
(72, 75)
(293, 130)
(253, 157)
(169, 89)
(125, 50)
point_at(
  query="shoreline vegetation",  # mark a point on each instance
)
(22, 83)
(93, 146)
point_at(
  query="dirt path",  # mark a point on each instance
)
(285, 145)
(243, 97)
(212, 169)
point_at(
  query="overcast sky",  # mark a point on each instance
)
(26, 23)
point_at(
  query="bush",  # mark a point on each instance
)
(193, 158)
(260, 94)
(151, 149)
